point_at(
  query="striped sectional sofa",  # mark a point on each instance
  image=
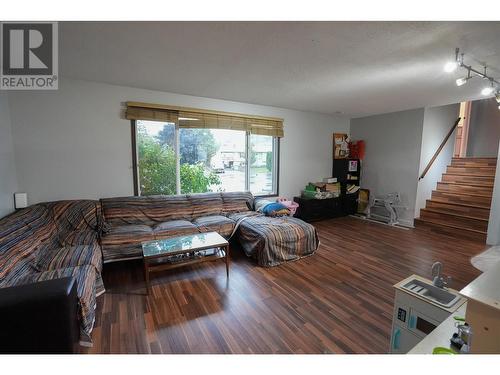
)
(73, 238)
(51, 241)
(271, 241)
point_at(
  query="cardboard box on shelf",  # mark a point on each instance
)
(333, 187)
(330, 180)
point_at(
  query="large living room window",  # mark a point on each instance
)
(170, 159)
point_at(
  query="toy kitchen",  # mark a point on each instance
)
(431, 318)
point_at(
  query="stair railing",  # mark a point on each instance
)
(429, 165)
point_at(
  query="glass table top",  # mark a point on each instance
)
(183, 244)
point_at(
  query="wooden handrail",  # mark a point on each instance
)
(429, 165)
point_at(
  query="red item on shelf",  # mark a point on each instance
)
(357, 150)
(361, 150)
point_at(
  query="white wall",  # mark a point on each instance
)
(8, 179)
(484, 129)
(493, 237)
(393, 143)
(74, 143)
(437, 123)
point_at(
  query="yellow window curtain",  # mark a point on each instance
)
(199, 118)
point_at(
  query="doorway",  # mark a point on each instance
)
(461, 138)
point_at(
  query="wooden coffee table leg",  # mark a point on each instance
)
(227, 260)
(146, 276)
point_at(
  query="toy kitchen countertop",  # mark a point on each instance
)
(485, 288)
(483, 311)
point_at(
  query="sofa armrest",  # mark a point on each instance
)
(39, 318)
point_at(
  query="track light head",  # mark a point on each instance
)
(487, 90)
(450, 66)
(461, 81)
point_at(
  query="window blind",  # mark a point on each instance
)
(152, 114)
(198, 118)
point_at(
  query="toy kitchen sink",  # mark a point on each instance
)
(431, 293)
(419, 307)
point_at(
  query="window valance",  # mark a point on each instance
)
(199, 118)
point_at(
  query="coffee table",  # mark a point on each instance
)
(180, 251)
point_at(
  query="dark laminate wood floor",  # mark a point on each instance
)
(339, 300)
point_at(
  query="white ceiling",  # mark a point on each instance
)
(358, 68)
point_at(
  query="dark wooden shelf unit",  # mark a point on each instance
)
(341, 171)
(318, 209)
(345, 204)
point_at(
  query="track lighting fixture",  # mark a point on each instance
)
(494, 86)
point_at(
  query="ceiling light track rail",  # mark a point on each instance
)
(460, 61)
(494, 84)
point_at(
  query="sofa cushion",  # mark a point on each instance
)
(124, 241)
(127, 234)
(70, 256)
(149, 210)
(174, 228)
(240, 215)
(16, 270)
(206, 204)
(72, 216)
(81, 237)
(237, 202)
(22, 235)
(221, 224)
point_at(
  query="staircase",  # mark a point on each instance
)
(461, 204)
